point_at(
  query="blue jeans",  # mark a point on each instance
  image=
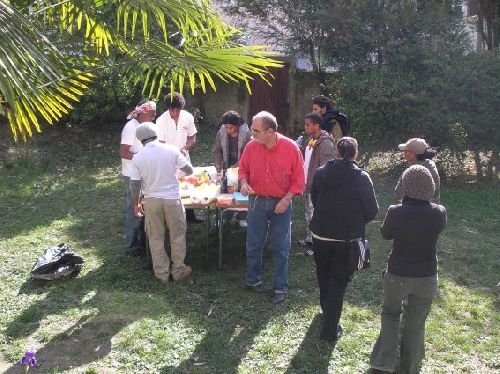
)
(134, 230)
(263, 222)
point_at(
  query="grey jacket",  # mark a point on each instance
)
(323, 152)
(221, 150)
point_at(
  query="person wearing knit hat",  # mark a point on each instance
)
(417, 183)
(414, 226)
(416, 151)
(129, 145)
(154, 171)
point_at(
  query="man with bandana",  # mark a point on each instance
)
(145, 111)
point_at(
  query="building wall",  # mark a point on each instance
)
(303, 86)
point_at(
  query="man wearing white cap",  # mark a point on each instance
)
(129, 145)
(416, 151)
(156, 167)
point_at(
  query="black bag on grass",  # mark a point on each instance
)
(57, 262)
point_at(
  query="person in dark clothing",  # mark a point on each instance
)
(344, 202)
(414, 226)
(324, 107)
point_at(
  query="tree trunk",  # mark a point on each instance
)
(477, 161)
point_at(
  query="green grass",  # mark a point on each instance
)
(114, 317)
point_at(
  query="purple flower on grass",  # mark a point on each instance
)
(29, 358)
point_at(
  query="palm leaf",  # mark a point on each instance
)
(182, 43)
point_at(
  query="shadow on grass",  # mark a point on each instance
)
(313, 355)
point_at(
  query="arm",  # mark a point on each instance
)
(368, 198)
(297, 182)
(217, 151)
(315, 186)
(388, 225)
(191, 140)
(398, 191)
(244, 174)
(125, 151)
(327, 151)
(135, 191)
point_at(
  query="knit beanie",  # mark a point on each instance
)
(417, 183)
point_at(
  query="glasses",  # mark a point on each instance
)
(257, 131)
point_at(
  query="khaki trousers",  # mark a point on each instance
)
(161, 214)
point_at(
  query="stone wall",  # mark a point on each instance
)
(303, 86)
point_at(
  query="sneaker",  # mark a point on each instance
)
(330, 338)
(279, 297)
(243, 223)
(259, 288)
(309, 252)
(182, 273)
(163, 277)
(136, 252)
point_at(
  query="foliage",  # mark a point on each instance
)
(50, 50)
(107, 101)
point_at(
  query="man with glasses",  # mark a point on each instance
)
(271, 172)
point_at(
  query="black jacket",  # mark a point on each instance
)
(414, 226)
(344, 201)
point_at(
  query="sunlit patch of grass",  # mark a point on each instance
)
(208, 323)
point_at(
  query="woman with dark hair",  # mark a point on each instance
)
(230, 141)
(417, 152)
(344, 202)
(414, 226)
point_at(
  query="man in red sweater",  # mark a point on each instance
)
(271, 172)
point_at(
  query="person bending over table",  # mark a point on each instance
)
(271, 171)
(229, 144)
(156, 167)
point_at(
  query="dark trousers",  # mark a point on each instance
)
(332, 260)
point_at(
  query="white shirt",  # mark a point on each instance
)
(176, 134)
(129, 138)
(307, 160)
(156, 165)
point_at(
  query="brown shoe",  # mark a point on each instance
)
(182, 273)
(163, 277)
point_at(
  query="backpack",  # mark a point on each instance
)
(344, 124)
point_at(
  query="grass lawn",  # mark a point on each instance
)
(115, 317)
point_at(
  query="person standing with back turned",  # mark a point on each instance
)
(414, 227)
(344, 202)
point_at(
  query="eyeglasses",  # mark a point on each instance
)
(257, 131)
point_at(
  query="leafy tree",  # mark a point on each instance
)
(50, 49)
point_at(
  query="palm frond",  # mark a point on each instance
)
(34, 78)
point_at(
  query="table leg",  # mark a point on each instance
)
(221, 222)
(207, 231)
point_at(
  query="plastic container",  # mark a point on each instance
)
(205, 193)
(225, 199)
(239, 198)
(185, 189)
